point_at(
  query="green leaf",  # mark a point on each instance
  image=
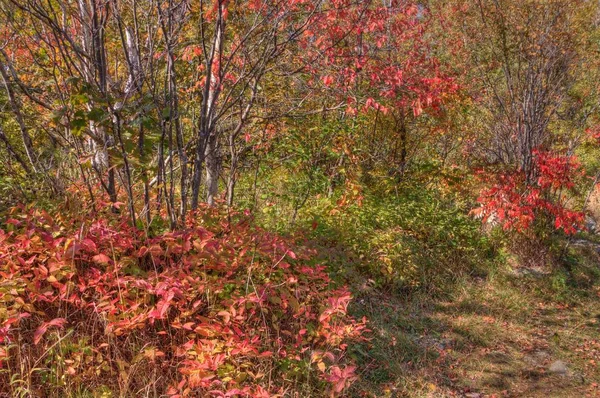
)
(96, 114)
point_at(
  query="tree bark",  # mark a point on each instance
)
(16, 108)
(213, 166)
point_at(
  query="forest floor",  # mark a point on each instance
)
(515, 333)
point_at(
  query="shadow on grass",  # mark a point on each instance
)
(496, 337)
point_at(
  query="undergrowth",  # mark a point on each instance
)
(415, 241)
(94, 307)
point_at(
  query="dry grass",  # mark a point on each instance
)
(493, 337)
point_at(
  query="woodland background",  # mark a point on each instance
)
(299, 198)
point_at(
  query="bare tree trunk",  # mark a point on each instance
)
(26, 137)
(97, 74)
(207, 138)
(213, 166)
(230, 190)
(134, 84)
(198, 166)
(174, 114)
(231, 180)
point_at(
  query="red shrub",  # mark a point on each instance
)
(220, 308)
(516, 204)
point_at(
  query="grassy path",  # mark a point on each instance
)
(513, 334)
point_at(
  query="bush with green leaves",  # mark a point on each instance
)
(414, 240)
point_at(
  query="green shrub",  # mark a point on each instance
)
(415, 240)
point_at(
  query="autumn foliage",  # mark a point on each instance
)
(219, 308)
(516, 203)
(358, 134)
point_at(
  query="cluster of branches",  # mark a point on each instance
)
(162, 102)
(104, 80)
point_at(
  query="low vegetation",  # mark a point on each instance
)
(220, 307)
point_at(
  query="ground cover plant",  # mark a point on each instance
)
(220, 307)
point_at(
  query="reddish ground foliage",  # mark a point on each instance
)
(218, 308)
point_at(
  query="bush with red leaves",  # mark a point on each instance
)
(516, 204)
(218, 308)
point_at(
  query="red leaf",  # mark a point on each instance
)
(226, 316)
(37, 335)
(101, 259)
